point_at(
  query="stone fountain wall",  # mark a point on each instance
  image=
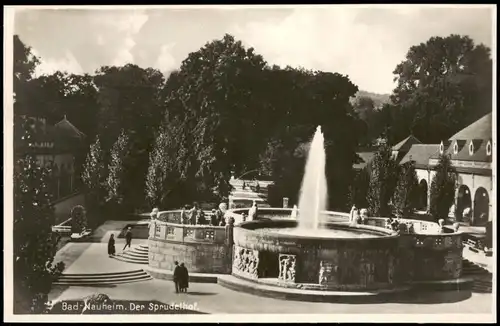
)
(319, 263)
(202, 248)
(348, 264)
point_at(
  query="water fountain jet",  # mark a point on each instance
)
(313, 193)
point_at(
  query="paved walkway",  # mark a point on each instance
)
(213, 298)
(91, 256)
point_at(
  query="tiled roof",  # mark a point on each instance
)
(479, 154)
(66, 128)
(364, 159)
(420, 154)
(481, 129)
(406, 144)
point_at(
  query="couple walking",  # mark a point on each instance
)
(181, 277)
(111, 242)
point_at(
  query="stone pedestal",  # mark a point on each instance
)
(285, 202)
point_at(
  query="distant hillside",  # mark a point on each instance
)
(379, 99)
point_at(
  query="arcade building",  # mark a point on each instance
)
(470, 151)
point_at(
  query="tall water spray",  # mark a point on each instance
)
(314, 192)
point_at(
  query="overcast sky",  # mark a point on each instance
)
(362, 42)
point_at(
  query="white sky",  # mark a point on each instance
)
(364, 42)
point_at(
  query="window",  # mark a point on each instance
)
(471, 148)
(170, 231)
(441, 148)
(488, 148)
(455, 148)
(188, 232)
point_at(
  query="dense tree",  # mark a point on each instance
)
(383, 177)
(405, 195)
(116, 182)
(35, 244)
(443, 85)
(94, 178)
(165, 172)
(213, 96)
(358, 191)
(442, 191)
(130, 99)
(25, 63)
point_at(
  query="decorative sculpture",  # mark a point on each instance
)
(295, 212)
(287, 267)
(246, 262)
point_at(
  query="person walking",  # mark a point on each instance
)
(111, 246)
(184, 281)
(177, 276)
(128, 238)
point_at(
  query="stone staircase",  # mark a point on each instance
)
(135, 255)
(483, 279)
(103, 279)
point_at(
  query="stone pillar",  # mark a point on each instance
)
(229, 232)
(285, 202)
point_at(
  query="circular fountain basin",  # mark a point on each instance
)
(348, 233)
(336, 257)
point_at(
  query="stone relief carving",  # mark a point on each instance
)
(327, 272)
(287, 267)
(245, 262)
(452, 266)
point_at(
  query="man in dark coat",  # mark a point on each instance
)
(177, 276)
(128, 238)
(184, 281)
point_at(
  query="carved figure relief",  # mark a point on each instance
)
(328, 272)
(245, 262)
(287, 267)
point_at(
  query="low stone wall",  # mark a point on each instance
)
(344, 264)
(203, 249)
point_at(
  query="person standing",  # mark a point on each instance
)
(184, 281)
(111, 246)
(200, 217)
(214, 221)
(177, 276)
(128, 238)
(252, 213)
(193, 214)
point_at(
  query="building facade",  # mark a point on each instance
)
(470, 151)
(56, 146)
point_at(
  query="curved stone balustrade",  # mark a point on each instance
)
(202, 248)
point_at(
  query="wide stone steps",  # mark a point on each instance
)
(135, 255)
(98, 279)
(483, 279)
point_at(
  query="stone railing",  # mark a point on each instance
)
(283, 213)
(64, 227)
(160, 230)
(202, 248)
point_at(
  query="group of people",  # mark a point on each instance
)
(111, 242)
(358, 216)
(181, 277)
(196, 216)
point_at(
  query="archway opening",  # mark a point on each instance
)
(481, 207)
(464, 204)
(422, 195)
